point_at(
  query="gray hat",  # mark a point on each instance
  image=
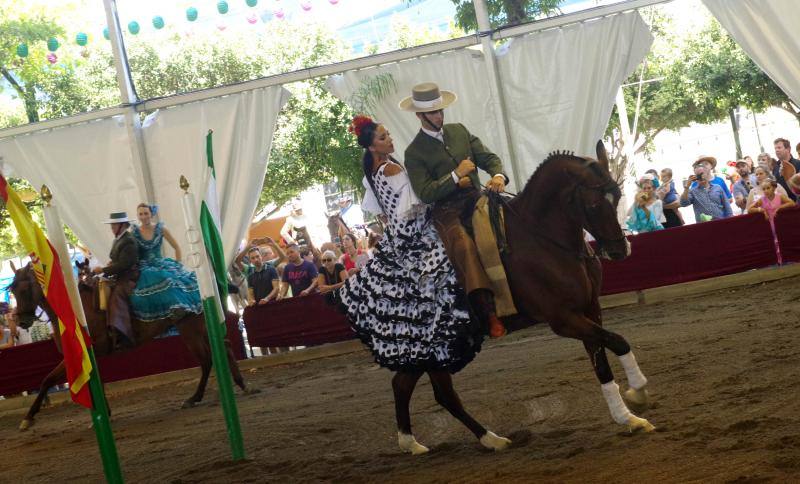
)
(427, 97)
(118, 218)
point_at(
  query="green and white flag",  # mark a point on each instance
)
(211, 226)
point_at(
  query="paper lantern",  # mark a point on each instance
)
(279, 13)
(251, 3)
(52, 58)
(266, 16)
(105, 33)
(133, 27)
(222, 7)
(333, 2)
(52, 44)
(158, 22)
(221, 27)
(306, 6)
(85, 53)
(252, 19)
(22, 50)
(191, 14)
(81, 39)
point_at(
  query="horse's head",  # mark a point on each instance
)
(85, 276)
(27, 293)
(598, 194)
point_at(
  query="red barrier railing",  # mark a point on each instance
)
(24, 367)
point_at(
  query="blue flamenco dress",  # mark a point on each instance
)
(164, 289)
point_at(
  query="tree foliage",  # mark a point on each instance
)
(504, 12)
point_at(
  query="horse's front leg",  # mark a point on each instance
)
(595, 340)
(56, 376)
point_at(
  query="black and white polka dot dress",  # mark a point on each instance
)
(405, 304)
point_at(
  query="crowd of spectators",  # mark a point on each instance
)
(767, 186)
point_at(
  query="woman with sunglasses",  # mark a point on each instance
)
(331, 277)
(405, 304)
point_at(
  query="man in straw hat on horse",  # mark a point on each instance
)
(441, 164)
(124, 267)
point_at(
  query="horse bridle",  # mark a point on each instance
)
(605, 188)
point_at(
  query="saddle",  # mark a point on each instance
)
(487, 224)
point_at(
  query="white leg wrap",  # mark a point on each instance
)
(619, 412)
(408, 443)
(636, 378)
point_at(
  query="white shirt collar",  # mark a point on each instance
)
(434, 134)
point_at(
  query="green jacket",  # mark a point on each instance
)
(124, 255)
(429, 165)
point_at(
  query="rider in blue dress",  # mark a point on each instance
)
(165, 289)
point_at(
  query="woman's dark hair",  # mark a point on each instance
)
(364, 128)
(352, 239)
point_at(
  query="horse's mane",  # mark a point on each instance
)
(551, 157)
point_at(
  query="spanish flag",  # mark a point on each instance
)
(74, 338)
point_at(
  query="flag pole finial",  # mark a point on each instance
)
(47, 195)
(184, 183)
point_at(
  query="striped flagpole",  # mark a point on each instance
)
(99, 411)
(197, 259)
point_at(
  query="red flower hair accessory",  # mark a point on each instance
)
(358, 123)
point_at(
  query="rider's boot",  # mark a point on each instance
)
(482, 301)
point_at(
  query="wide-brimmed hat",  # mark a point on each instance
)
(427, 97)
(706, 159)
(117, 218)
(741, 162)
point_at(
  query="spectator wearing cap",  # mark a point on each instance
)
(670, 200)
(708, 199)
(704, 166)
(743, 186)
(785, 166)
(294, 228)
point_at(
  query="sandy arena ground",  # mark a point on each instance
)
(723, 370)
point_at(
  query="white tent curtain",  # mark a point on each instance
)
(559, 88)
(242, 125)
(462, 72)
(768, 31)
(560, 84)
(88, 167)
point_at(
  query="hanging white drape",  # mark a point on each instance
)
(242, 125)
(559, 87)
(462, 72)
(768, 31)
(560, 84)
(88, 167)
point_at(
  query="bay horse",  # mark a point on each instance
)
(28, 294)
(555, 277)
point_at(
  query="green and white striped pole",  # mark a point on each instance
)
(197, 259)
(99, 412)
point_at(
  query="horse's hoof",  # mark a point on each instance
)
(189, 404)
(251, 391)
(408, 443)
(638, 398)
(494, 442)
(25, 424)
(638, 424)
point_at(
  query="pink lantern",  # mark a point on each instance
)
(333, 2)
(252, 19)
(306, 6)
(221, 27)
(279, 13)
(52, 58)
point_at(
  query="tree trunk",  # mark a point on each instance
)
(515, 11)
(28, 96)
(735, 126)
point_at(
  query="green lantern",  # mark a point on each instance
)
(52, 44)
(81, 39)
(191, 14)
(251, 3)
(105, 33)
(222, 7)
(133, 27)
(22, 50)
(158, 22)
